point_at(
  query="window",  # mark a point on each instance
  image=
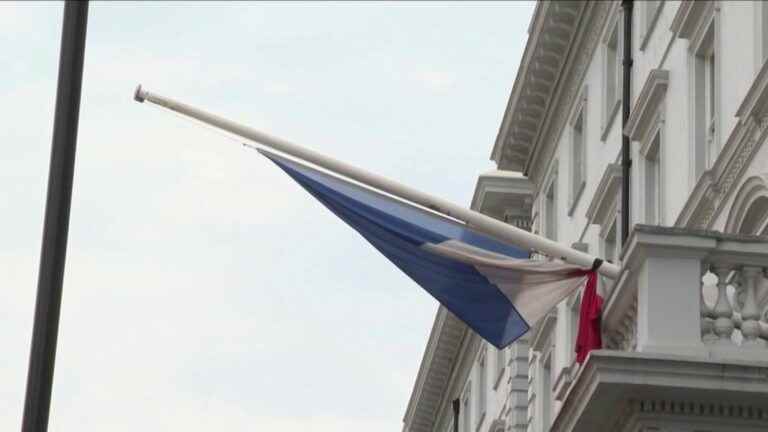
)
(578, 157)
(550, 209)
(500, 363)
(652, 181)
(705, 102)
(482, 379)
(609, 243)
(546, 393)
(574, 309)
(611, 75)
(466, 413)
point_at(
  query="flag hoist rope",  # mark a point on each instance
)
(476, 220)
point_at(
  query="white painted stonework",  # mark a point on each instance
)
(685, 325)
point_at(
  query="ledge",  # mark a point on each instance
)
(689, 16)
(498, 192)
(610, 381)
(605, 195)
(648, 103)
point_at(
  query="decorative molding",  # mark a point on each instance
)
(608, 124)
(610, 380)
(714, 187)
(550, 38)
(690, 16)
(585, 43)
(432, 380)
(649, 102)
(606, 195)
(650, 26)
(754, 188)
(504, 195)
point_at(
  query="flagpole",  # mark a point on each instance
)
(476, 220)
(42, 356)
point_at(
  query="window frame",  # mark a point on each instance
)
(652, 162)
(549, 220)
(705, 100)
(466, 409)
(578, 118)
(611, 102)
(481, 380)
(501, 366)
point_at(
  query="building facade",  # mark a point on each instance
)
(685, 325)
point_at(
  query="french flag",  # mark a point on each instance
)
(491, 286)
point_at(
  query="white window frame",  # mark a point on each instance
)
(610, 250)
(547, 397)
(611, 76)
(578, 155)
(705, 94)
(549, 205)
(652, 170)
(466, 409)
(481, 379)
(501, 365)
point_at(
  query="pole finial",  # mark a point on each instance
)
(138, 95)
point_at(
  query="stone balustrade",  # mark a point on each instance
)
(690, 292)
(738, 313)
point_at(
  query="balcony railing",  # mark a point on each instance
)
(690, 292)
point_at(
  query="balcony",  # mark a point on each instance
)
(685, 330)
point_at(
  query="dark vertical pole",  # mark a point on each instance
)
(456, 405)
(54, 246)
(626, 159)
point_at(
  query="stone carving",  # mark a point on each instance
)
(573, 78)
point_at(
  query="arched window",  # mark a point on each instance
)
(749, 211)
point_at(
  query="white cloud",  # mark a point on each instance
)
(204, 289)
(435, 80)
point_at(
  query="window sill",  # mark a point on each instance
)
(576, 198)
(609, 120)
(498, 378)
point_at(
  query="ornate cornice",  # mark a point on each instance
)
(609, 381)
(689, 17)
(550, 37)
(438, 361)
(580, 55)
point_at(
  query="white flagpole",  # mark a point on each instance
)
(478, 221)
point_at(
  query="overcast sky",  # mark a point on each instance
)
(204, 290)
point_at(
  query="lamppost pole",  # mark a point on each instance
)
(56, 226)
